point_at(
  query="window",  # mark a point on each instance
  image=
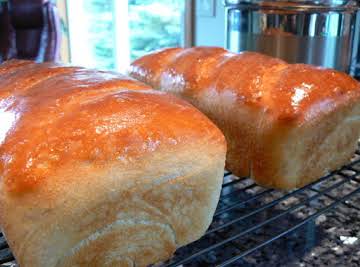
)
(108, 34)
(155, 24)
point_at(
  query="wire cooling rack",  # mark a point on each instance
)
(250, 217)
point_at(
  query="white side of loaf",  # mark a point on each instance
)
(120, 214)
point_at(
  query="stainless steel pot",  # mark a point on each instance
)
(314, 32)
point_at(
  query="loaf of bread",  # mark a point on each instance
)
(285, 124)
(97, 169)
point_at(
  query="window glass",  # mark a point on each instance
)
(154, 25)
(108, 34)
(91, 33)
(100, 29)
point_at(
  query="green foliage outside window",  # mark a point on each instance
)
(154, 25)
(101, 31)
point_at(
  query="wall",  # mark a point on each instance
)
(210, 31)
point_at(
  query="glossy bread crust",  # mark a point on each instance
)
(285, 124)
(97, 169)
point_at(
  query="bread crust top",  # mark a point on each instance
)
(53, 114)
(288, 92)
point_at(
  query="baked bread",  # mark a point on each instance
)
(285, 124)
(97, 169)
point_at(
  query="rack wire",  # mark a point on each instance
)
(249, 217)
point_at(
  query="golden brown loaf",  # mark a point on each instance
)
(285, 124)
(97, 169)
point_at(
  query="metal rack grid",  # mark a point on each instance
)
(249, 217)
